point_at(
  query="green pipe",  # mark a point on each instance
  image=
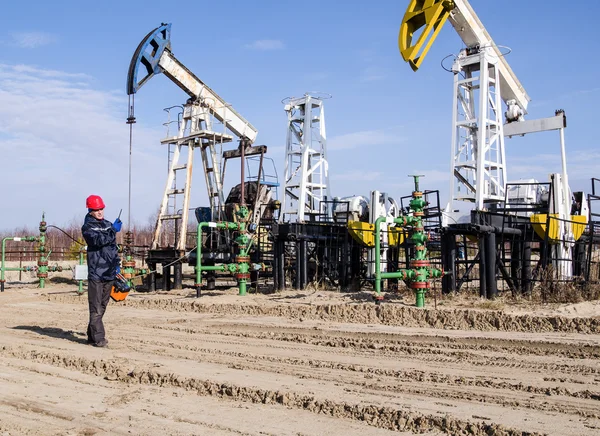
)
(421, 272)
(242, 286)
(199, 267)
(402, 221)
(214, 268)
(43, 259)
(80, 287)
(127, 271)
(240, 269)
(378, 222)
(3, 266)
(245, 243)
(401, 274)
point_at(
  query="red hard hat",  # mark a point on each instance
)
(94, 202)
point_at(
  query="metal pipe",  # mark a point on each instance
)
(420, 271)
(199, 267)
(280, 263)
(80, 288)
(303, 263)
(490, 272)
(241, 268)
(242, 175)
(378, 222)
(476, 229)
(563, 158)
(449, 262)
(3, 265)
(257, 206)
(482, 267)
(526, 277)
(402, 221)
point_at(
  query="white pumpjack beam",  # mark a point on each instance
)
(196, 88)
(472, 32)
(153, 56)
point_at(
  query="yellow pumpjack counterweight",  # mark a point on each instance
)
(430, 14)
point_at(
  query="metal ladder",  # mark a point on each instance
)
(194, 132)
(168, 212)
(212, 174)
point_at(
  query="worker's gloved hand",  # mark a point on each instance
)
(118, 270)
(117, 225)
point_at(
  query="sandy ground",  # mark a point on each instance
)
(309, 363)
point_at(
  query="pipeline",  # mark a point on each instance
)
(419, 276)
(82, 251)
(128, 268)
(42, 269)
(3, 267)
(242, 267)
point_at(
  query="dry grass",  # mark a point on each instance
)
(550, 290)
(546, 291)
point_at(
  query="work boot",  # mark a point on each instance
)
(102, 343)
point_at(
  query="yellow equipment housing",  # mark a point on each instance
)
(364, 233)
(544, 224)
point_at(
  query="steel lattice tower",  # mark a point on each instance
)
(306, 168)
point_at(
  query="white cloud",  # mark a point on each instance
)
(33, 39)
(15, 71)
(266, 44)
(61, 140)
(364, 138)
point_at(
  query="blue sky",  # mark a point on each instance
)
(63, 68)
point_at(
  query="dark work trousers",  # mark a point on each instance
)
(98, 296)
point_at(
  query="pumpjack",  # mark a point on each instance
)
(207, 123)
(483, 205)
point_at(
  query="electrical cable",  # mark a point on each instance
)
(442, 63)
(71, 237)
(167, 265)
(449, 216)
